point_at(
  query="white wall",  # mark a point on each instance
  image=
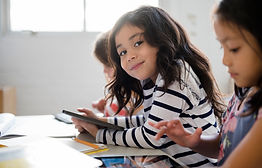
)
(51, 72)
(54, 71)
(195, 17)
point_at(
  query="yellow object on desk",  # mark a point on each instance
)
(86, 143)
(83, 146)
(95, 151)
(1, 146)
(96, 148)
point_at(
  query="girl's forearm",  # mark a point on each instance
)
(208, 146)
(103, 119)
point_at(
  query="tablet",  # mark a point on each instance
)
(64, 118)
(99, 123)
(146, 161)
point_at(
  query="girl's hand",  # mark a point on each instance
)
(99, 105)
(82, 125)
(176, 132)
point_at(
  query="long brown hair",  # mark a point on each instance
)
(161, 31)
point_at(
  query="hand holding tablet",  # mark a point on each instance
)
(99, 123)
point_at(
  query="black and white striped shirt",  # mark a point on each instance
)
(187, 102)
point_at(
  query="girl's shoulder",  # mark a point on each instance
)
(190, 82)
(189, 85)
(187, 77)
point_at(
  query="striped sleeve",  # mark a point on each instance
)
(164, 107)
(126, 122)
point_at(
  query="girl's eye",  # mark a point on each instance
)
(122, 53)
(138, 43)
(234, 50)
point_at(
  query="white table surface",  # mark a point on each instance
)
(46, 125)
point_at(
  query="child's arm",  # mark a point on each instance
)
(248, 152)
(205, 145)
(126, 122)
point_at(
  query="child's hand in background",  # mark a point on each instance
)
(99, 105)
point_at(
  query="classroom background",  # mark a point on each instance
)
(53, 71)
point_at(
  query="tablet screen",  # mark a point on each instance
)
(147, 161)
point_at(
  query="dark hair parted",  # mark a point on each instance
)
(160, 31)
(245, 14)
(101, 48)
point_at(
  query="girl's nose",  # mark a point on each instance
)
(226, 59)
(131, 57)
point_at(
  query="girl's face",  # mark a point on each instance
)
(137, 57)
(242, 54)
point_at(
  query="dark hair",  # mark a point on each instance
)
(245, 14)
(101, 48)
(161, 31)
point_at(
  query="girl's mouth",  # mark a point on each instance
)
(233, 75)
(136, 66)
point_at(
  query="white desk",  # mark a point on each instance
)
(124, 151)
(46, 125)
(44, 152)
